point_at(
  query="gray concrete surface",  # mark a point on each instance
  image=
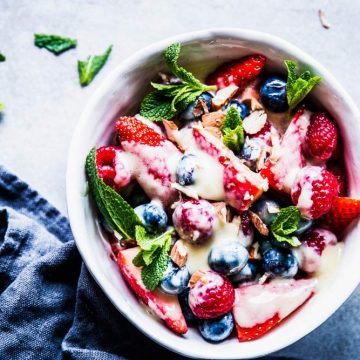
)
(43, 97)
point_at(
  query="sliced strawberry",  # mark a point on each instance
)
(153, 156)
(287, 158)
(165, 306)
(237, 72)
(241, 185)
(258, 308)
(344, 211)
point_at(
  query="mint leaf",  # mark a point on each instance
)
(151, 275)
(169, 99)
(153, 256)
(298, 87)
(285, 223)
(115, 210)
(232, 130)
(2, 106)
(91, 66)
(2, 57)
(234, 139)
(54, 43)
(156, 107)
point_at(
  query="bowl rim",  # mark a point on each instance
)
(73, 199)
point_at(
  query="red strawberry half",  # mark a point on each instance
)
(241, 185)
(152, 156)
(165, 306)
(258, 308)
(344, 211)
(237, 72)
(287, 158)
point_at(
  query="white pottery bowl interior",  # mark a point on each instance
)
(120, 93)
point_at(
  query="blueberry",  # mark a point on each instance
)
(279, 262)
(303, 226)
(273, 94)
(266, 209)
(152, 215)
(248, 273)
(242, 109)
(228, 258)
(185, 307)
(186, 169)
(175, 279)
(188, 113)
(216, 330)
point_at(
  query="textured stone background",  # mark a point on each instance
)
(43, 97)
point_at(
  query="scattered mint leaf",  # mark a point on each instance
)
(2, 57)
(285, 223)
(54, 43)
(232, 130)
(153, 256)
(2, 106)
(91, 66)
(298, 87)
(169, 99)
(115, 210)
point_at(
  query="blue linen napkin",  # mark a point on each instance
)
(50, 306)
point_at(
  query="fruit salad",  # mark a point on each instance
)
(224, 200)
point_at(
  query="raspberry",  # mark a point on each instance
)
(314, 191)
(211, 296)
(318, 239)
(339, 172)
(321, 136)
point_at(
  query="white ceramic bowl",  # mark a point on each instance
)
(120, 93)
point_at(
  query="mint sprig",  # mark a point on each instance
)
(55, 43)
(232, 130)
(169, 99)
(286, 223)
(298, 87)
(119, 215)
(2, 57)
(89, 68)
(153, 256)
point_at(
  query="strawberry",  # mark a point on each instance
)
(211, 296)
(287, 157)
(152, 156)
(258, 308)
(344, 211)
(314, 191)
(237, 72)
(131, 129)
(321, 136)
(111, 167)
(165, 306)
(241, 185)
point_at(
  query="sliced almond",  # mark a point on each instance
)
(258, 223)
(197, 276)
(324, 21)
(170, 129)
(187, 190)
(220, 209)
(215, 131)
(200, 108)
(254, 252)
(223, 96)
(255, 122)
(179, 253)
(215, 118)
